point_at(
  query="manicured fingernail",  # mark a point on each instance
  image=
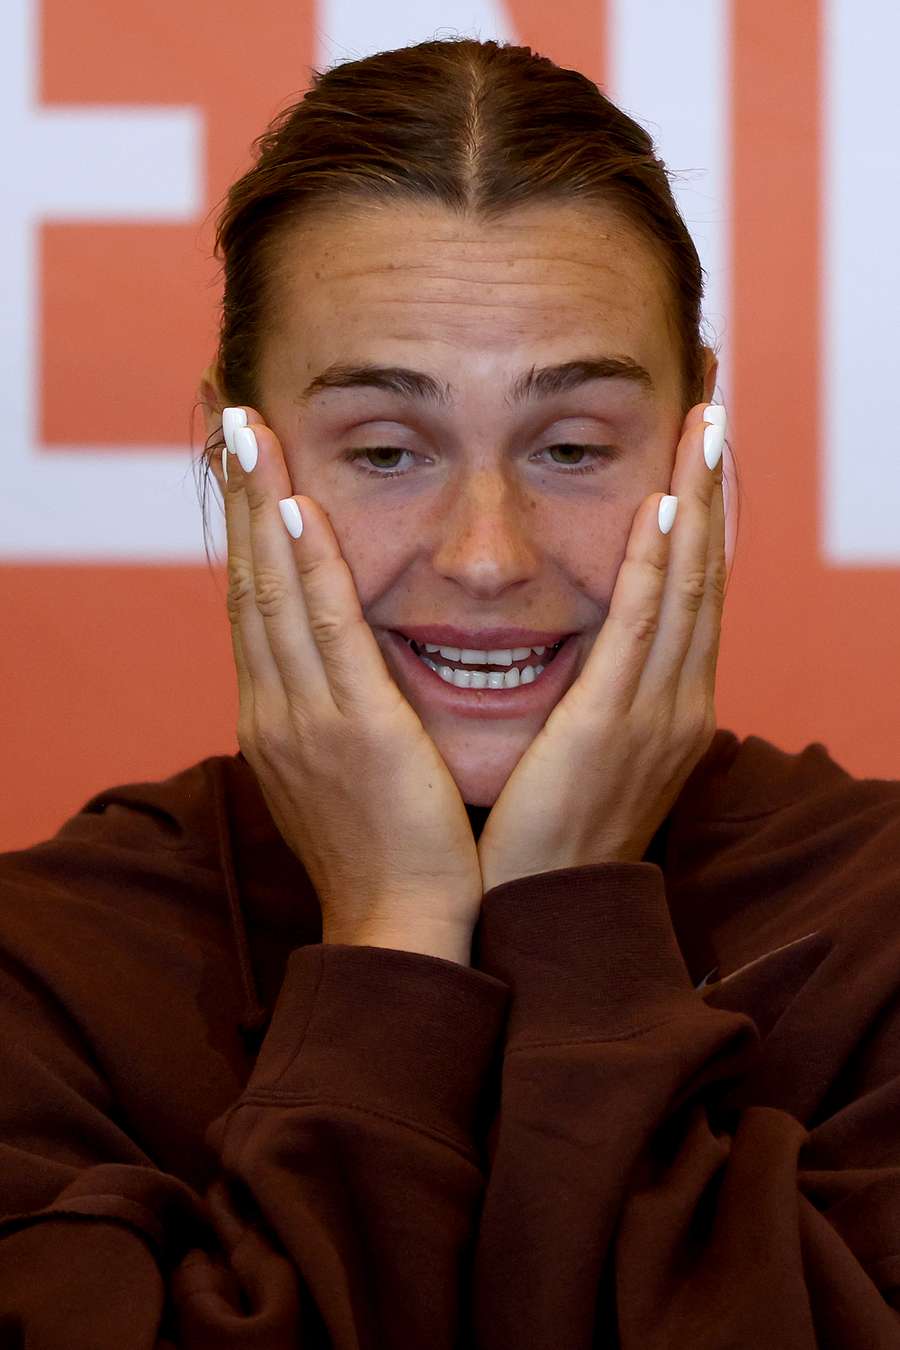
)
(667, 509)
(225, 462)
(232, 418)
(290, 514)
(715, 412)
(713, 441)
(245, 448)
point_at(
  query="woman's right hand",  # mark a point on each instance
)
(353, 782)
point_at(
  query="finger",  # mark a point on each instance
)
(273, 621)
(357, 674)
(257, 671)
(617, 659)
(699, 669)
(695, 486)
(325, 651)
(245, 688)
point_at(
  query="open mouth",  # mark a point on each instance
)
(458, 667)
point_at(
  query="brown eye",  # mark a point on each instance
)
(596, 452)
(569, 450)
(376, 452)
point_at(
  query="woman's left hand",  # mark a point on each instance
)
(610, 761)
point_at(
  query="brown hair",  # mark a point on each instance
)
(481, 127)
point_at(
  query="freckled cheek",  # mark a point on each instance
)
(376, 551)
(590, 567)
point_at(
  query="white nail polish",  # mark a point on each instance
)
(245, 448)
(290, 514)
(667, 509)
(713, 442)
(716, 414)
(232, 418)
(225, 462)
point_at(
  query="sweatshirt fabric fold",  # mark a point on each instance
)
(661, 1108)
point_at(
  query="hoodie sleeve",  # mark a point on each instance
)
(344, 1207)
(674, 1217)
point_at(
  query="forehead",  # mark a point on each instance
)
(370, 281)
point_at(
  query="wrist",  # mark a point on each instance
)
(448, 944)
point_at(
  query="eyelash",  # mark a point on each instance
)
(598, 453)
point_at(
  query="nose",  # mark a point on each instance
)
(484, 539)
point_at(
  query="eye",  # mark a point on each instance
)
(375, 452)
(598, 453)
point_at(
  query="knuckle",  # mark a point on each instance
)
(692, 588)
(644, 627)
(659, 566)
(257, 502)
(270, 592)
(318, 578)
(240, 586)
(718, 578)
(326, 626)
(321, 595)
(641, 568)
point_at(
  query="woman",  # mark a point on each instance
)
(401, 1027)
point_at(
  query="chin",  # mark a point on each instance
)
(476, 792)
(481, 760)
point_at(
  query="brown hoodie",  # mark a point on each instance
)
(661, 1109)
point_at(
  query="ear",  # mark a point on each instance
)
(711, 374)
(212, 400)
(211, 397)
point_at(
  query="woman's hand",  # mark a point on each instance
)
(351, 778)
(602, 774)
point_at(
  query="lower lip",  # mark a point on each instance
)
(523, 701)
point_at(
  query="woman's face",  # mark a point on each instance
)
(487, 523)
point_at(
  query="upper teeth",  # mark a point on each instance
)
(469, 656)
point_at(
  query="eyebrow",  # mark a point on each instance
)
(535, 383)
